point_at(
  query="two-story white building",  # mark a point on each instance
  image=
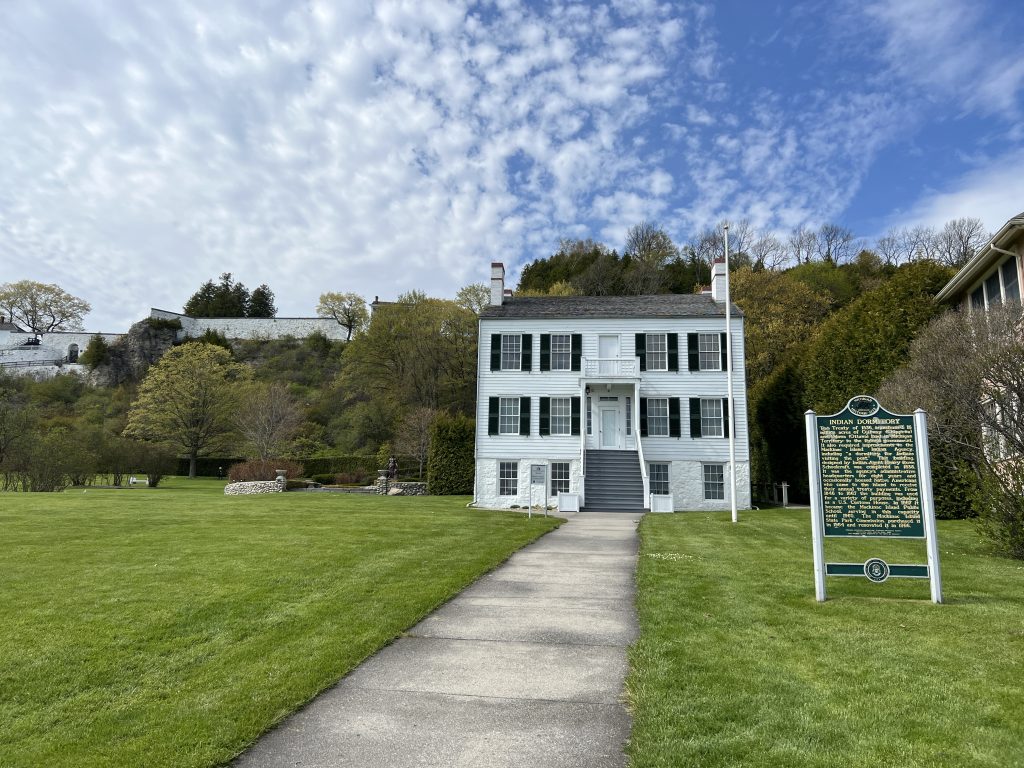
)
(618, 397)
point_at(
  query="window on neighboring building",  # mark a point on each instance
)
(561, 352)
(978, 298)
(561, 416)
(590, 418)
(508, 478)
(714, 482)
(559, 477)
(511, 351)
(710, 346)
(629, 415)
(657, 416)
(508, 416)
(992, 292)
(711, 423)
(657, 352)
(658, 474)
(1011, 284)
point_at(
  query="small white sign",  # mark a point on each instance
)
(538, 474)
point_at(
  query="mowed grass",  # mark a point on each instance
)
(171, 626)
(737, 665)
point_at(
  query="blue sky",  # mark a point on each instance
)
(380, 147)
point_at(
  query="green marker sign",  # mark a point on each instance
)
(869, 473)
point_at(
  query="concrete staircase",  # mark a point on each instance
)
(613, 482)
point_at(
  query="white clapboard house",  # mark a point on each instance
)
(621, 399)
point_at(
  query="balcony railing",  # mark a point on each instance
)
(597, 367)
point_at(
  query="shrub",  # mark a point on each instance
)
(154, 461)
(263, 469)
(162, 323)
(354, 478)
(451, 467)
(1001, 514)
(365, 466)
(208, 466)
(211, 336)
(97, 352)
(294, 485)
(322, 479)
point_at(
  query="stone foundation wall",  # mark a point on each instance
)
(387, 487)
(254, 327)
(246, 489)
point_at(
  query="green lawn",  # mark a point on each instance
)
(171, 626)
(737, 665)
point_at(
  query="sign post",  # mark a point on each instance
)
(870, 477)
(539, 476)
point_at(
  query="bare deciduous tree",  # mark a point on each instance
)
(959, 240)
(268, 418)
(801, 243)
(413, 435)
(834, 244)
(767, 252)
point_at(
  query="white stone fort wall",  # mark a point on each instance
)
(52, 346)
(254, 327)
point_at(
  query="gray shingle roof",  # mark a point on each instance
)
(662, 305)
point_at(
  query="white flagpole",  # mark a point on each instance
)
(728, 374)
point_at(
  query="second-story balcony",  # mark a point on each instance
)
(610, 367)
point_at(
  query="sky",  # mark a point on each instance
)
(147, 146)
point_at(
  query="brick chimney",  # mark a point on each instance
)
(497, 283)
(718, 279)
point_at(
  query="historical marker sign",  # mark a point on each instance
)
(870, 477)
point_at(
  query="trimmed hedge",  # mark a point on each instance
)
(209, 466)
(451, 467)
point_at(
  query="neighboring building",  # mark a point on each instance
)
(993, 275)
(619, 397)
(43, 354)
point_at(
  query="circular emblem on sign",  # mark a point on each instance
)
(863, 406)
(876, 569)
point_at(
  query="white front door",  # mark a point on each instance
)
(610, 437)
(608, 352)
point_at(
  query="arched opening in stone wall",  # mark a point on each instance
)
(73, 353)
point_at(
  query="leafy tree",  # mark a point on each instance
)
(42, 307)
(261, 302)
(187, 400)
(865, 341)
(97, 352)
(473, 297)
(268, 419)
(572, 259)
(349, 309)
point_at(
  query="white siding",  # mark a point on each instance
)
(683, 384)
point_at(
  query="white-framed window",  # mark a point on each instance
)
(561, 351)
(511, 352)
(559, 477)
(711, 423)
(658, 475)
(657, 352)
(709, 346)
(714, 482)
(508, 416)
(657, 416)
(590, 418)
(561, 416)
(508, 478)
(993, 294)
(1011, 282)
(1003, 284)
(629, 415)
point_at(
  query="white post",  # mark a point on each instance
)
(728, 374)
(924, 474)
(817, 526)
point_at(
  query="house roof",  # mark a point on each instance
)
(662, 305)
(5, 326)
(986, 257)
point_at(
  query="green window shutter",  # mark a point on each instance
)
(693, 350)
(641, 350)
(695, 417)
(725, 416)
(492, 416)
(643, 417)
(577, 350)
(545, 417)
(524, 416)
(575, 416)
(495, 351)
(527, 352)
(545, 352)
(725, 353)
(674, 429)
(673, 351)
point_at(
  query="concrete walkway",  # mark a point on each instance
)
(524, 668)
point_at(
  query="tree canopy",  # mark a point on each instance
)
(349, 309)
(42, 307)
(228, 298)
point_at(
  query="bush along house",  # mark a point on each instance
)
(622, 399)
